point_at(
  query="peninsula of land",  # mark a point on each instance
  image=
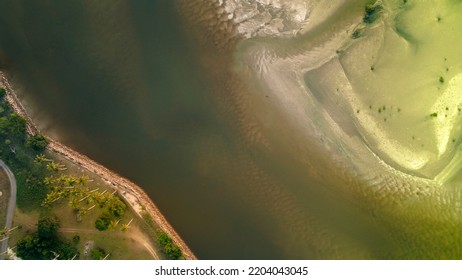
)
(134, 195)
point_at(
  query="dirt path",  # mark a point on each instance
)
(134, 235)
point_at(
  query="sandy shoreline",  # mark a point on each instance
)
(132, 193)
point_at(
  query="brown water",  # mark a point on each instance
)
(149, 94)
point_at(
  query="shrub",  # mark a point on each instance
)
(98, 254)
(102, 223)
(75, 239)
(47, 227)
(172, 251)
(37, 142)
(372, 13)
(2, 93)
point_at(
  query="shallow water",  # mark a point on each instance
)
(256, 149)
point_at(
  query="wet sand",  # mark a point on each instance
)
(303, 102)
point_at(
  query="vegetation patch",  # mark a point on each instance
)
(171, 251)
(102, 223)
(46, 243)
(82, 199)
(46, 187)
(372, 13)
(98, 254)
(18, 150)
(37, 142)
(356, 34)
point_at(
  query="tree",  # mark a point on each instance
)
(4, 126)
(40, 158)
(37, 142)
(126, 227)
(102, 223)
(53, 166)
(45, 244)
(17, 125)
(116, 207)
(82, 180)
(171, 250)
(2, 93)
(113, 224)
(74, 203)
(98, 254)
(26, 248)
(47, 227)
(6, 231)
(50, 180)
(164, 239)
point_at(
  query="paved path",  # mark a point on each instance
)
(11, 206)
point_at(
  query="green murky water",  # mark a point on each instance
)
(320, 146)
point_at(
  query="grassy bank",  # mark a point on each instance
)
(58, 203)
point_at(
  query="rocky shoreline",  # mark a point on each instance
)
(132, 193)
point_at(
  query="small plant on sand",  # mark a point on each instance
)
(372, 13)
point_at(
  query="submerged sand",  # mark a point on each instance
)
(357, 113)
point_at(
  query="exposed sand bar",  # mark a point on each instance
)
(132, 193)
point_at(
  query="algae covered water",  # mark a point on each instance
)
(261, 129)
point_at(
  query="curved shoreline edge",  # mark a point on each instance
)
(133, 194)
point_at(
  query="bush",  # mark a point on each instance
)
(172, 251)
(372, 13)
(37, 142)
(47, 227)
(75, 239)
(164, 239)
(102, 223)
(45, 244)
(98, 254)
(2, 93)
(17, 125)
(116, 207)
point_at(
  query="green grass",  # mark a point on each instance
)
(118, 246)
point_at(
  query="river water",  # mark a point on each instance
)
(242, 163)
